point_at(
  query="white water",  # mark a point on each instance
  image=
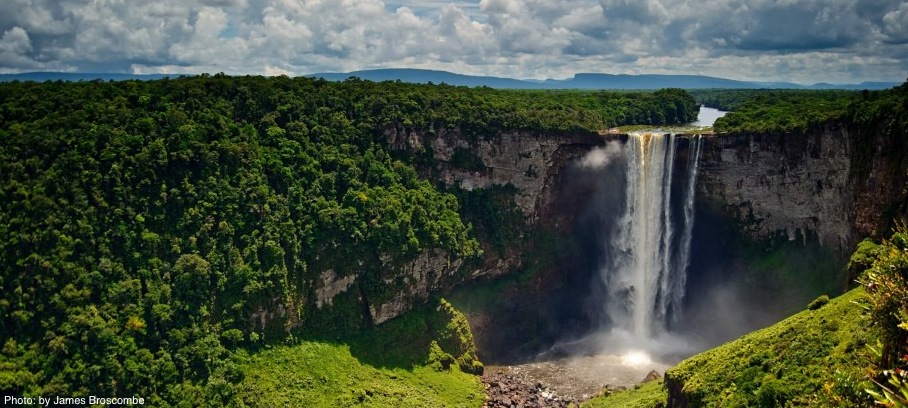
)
(646, 274)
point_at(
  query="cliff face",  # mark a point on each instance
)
(782, 184)
(529, 161)
(834, 182)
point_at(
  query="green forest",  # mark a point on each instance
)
(788, 110)
(154, 234)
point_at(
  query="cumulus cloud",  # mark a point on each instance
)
(895, 25)
(15, 41)
(16, 49)
(804, 40)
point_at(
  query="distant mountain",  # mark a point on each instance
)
(623, 81)
(582, 81)
(579, 81)
(78, 76)
(424, 76)
(862, 85)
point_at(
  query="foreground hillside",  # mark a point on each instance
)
(850, 351)
(813, 358)
(810, 359)
(425, 358)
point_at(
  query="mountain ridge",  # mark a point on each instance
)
(582, 80)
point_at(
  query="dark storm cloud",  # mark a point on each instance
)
(783, 27)
(807, 40)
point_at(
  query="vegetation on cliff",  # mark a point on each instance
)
(148, 230)
(425, 358)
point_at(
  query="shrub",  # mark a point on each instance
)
(818, 302)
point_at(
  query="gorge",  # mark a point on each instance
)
(204, 231)
(772, 189)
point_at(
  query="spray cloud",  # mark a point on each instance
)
(600, 157)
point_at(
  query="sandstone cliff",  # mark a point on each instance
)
(782, 184)
(529, 161)
(835, 183)
(779, 186)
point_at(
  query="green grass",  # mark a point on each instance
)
(646, 395)
(314, 374)
(813, 358)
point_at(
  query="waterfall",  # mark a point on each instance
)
(645, 275)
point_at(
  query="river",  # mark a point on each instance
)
(708, 116)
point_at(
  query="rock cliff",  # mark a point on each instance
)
(835, 183)
(776, 186)
(528, 161)
(782, 184)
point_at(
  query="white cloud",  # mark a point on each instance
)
(500, 6)
(15, 50)
(895, 24)
(804, 40)
(15, 41)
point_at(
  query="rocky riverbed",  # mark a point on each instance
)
(562, 382)
(508, 391)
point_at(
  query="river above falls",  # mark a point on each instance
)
(707, 116)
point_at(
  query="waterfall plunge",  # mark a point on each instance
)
(645, 278)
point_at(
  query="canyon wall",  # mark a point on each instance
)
(772, 185)
(834, 183)
(529, 163)
(829, 185)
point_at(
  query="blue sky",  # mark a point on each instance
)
(804, 41)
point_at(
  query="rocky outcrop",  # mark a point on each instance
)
(414, 282)
(330, 285)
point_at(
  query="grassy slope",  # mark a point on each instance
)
(813, 358)
(420, 359)
(646, 395)
(317, 374)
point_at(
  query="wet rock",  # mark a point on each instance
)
(507, 391)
